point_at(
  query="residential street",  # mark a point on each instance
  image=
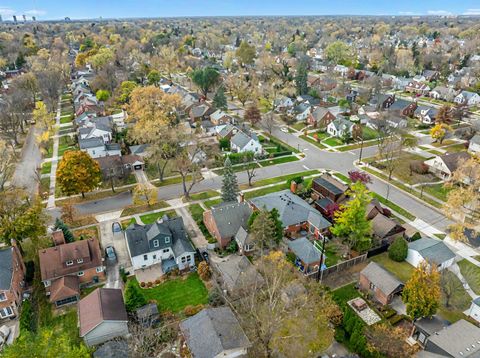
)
(25, 173)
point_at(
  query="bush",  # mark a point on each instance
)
(142, 284)
(134, 297)
(395, 319)
(26, 317)
(30, 271)
(204, 271)
(416, 236)
(398, 250)
(232, 247)
(215, 298)
(157, 281)
(419, 167)
(192, 310)
(291, 257)
(124, 276)
(149, 284)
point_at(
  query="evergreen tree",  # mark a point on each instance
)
(301, 77)
(67, 234)
(134, 297)
(230, 186)
(263, 230)
(220, 100)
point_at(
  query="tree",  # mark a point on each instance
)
(67, 234)
(134, 297)
(421, 293)
(144, 194)
(278, 225)
(301, 77)
(263, 230)
(250, 166)
(126, 88)
(153, 77)
(168, 60)
(41, 116)
(450, 285)
(245, 53)
(165, 148)
(102, 58)
(51, 80)
(205, 79)
(29, 83)
(187, 168)
(444, 115)
(204, 271)
(229, 183)
(7, 164)
(78, 173)
(339, 53)
(390, 341)
(398, 250)
(357, 175)
(11, 118)
(252, 114)
(351, 220)
(102, 95)
(439, 131)
(219, 100)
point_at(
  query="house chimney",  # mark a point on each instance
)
(58, 238)
(293, 186)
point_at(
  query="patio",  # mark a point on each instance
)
(149, 274)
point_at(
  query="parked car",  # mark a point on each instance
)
(116, 227)
(110, 253)
(205, 256)
(4, 333)
(284, 129)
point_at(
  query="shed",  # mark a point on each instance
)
(380, 283)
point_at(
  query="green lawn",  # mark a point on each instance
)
(46, 167)
(65, 144)
(281, 178)
(403, 270)
(204, 195)
(312, 141)
(197, 214)
(344, 294)
(298, 126)
(437, 190)
(471, 273)
(459, 301)
(151, 218)
(127, 223)
(264, 191)
(455, 148)
(357, 146)
(333, 141)
(67, 119)
(212, 202)
(369, 133)
(174, 295)
(342, 177)
(276, 141)
(445, 143)
(279, 160)
(394, 207)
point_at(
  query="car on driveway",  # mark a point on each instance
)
(116, 227)
(110, 253)
(284, 129)
(205, 256)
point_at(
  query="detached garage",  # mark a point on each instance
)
(430, 250)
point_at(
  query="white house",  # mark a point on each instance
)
(340, 126)
(431, 251)
(444, 165)
(442, 92)
(474, 145)
(426, 114)
(474, 310)
(242, 143)
(96, 148)
(282, 104)
(467, 98)
(164, 242)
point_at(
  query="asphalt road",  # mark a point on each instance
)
(25, 175)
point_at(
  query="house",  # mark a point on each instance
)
(220, 117)
(96, 148)
(244, 241)
(295, 213)
(95, 127)
(394, 121)
(227, 131)
(474, 144)
(307, 256)
(164, 242)
(467, 98)
(443, 93)
(283, 104)
(385, 229)
(341, 127)
(148, 315)
(402, 107)
(116, 166)
(444, 165)
(374, 208)
(223, 221)
(419, 88)
(431, 251)
(474, 310)
(214, 332)
(426, 114)
(459, 340)
(102, 316)
(384, 102)
(242, 142)
(430, 75)
(12, 276)
(380, 283)
(141, 150)
(236, 275)
(302, 111)
(326, 186)
(66, 267)
(199, 112)
(320, 117)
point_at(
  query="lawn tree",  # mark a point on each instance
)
(421, 293)
(205, 79)
(439, 131)
(43, 141)
(28, 82)
(357, 175)
(338, 53)
(67, 234)
(250, 165)
(102, 95)
(278, 225)
(42, 117)
(389, 341)
(240, 88)
(276, 327)
(252, 114)
(444, 115)
(7, 164)
(450, 286)
(263, 231)
(51, 80)
(134, 297)
(11, 119)
(164, 149)
(125, 91)
(245, 54)
(268, 122)
(351, 220)
(145, 194)
(188, 169)
(301, 76)
(220, 100)
(229, 183)
(78, 173)
(398, 250)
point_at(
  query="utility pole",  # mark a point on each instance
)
(319, 272)
(361, 151)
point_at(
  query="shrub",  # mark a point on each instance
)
(192, 310)
(142, 284)
(149, 284)
(419, 167)
(232, 247)
(291, 257)
(134, 297)
(398, 250)
(157, 281)
(416, 236)
(26, 316)
(215, 298)
(204, 271)
(30, 271)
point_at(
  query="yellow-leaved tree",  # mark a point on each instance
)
(439, 131)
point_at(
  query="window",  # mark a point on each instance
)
(166, 250)
(184, 259)
(79, 261)
(155, 243)
(167, 240)
(6, 312)
(154, 257)
(80, 273)
(372, 286)
(46, 283)
(99, 269)
(3, 297)
(145, 257)
(189, 258)
(69, 263)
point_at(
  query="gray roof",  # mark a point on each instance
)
(291, 208)
(432, 250)
(382, 225)
(242, 237)
(112, 349)
(90, 143)
(138, 149)
(304, 250)
(226, 130)
(213, 331)
(475, 139)
(342, 124)
(240, 139)
(200, 110)
(229, 217)
(6, 269)
(169, 232)
(452, 160)
(381, 278)
(461, 339)
(320, 112)
(333, 185)
(237, 272)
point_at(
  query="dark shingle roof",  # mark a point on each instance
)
(432, 250)
(331, 184)
(452, 160)
(459, 340)
(229, 217)
(6, 269)
(213, 331)
(304, 250)
(90, 143)
(381, 278)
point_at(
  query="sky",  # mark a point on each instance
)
(90, 9)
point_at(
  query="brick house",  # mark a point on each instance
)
(380, 283)
(12, 275)
(320, 117)
(327, 186)
(66, 267)
(223, 221)
(385, 229)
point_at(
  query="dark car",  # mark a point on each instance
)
(205, 256)
(110, 253)
(116, 227)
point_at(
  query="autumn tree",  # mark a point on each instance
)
(444, 115)
(389, 341)
(205, 79)
(357, 175)
(339, 53)
(421, 293)
(263, 231)
(144, 194)
(126, 89)
(168, 60)
(164, 148)
(252, 114)
(102, 95)
(204, 271)
(77, 173)
(229, 182)
(42, 117)
(301, 77)
(245, 53)
(188, 168)
(7, 164)
(219, 100)
(351, 220)
(439, 131)
(153, 77)
(28, 82)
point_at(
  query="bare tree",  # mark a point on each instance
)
(147, 341)
(250, 166)
(51, 83)
(187, 166)
(6, 164)
(268, 122)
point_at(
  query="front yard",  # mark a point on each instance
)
(176, 294)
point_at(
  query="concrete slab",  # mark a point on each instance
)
(113, 215)
(149, 274)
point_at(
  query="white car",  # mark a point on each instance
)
(284, 129)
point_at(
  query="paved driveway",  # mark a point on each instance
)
(117, 240)
(25, 174)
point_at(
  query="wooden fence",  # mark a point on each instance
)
(339, 267)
